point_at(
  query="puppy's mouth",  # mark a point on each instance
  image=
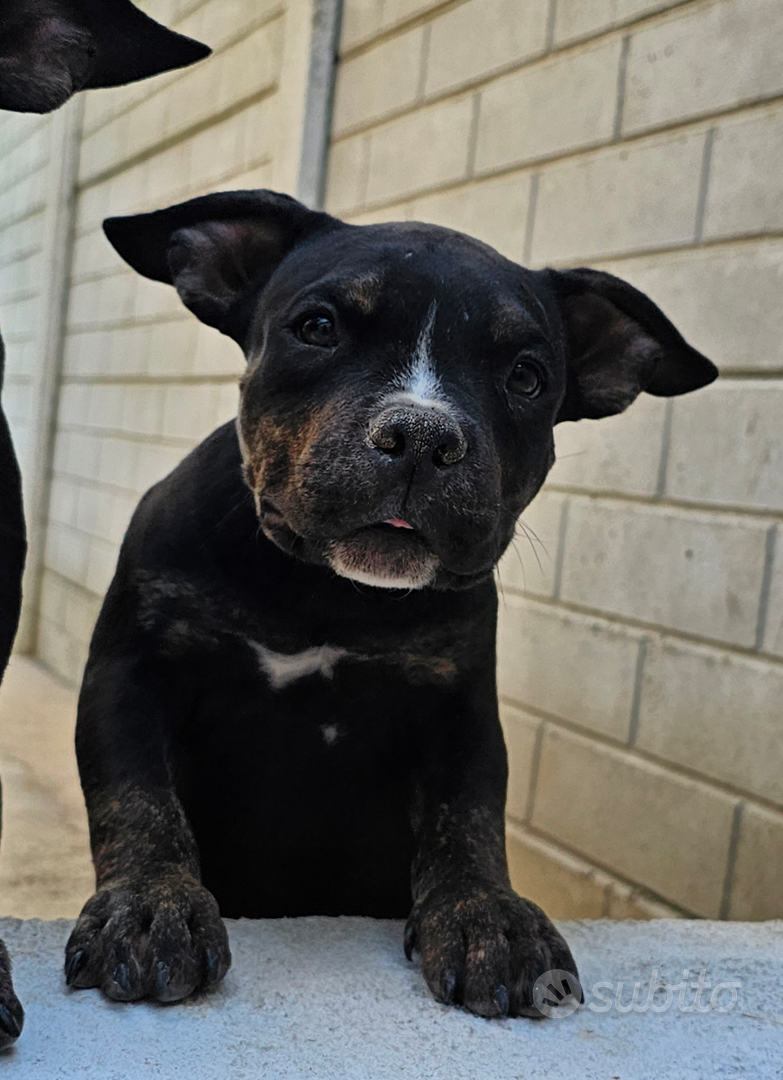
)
(390, 554)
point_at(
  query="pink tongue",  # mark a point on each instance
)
(398, 523)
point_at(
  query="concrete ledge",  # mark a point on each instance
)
(335, 998)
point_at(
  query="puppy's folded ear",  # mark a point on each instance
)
(218, 250)
(619, 344)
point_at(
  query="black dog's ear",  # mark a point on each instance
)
(619, 344)
(50, 49)
(132, 46)
(217, 250)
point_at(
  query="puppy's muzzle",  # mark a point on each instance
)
(417, 435)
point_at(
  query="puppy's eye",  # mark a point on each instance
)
(318, 330)
(526, 379)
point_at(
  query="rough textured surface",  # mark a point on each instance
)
(335, 998)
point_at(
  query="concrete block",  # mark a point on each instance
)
(378, 82)
(473, 40)
(155, 462)
(564, 886)
(649, 825)
(744, 194)
(346, 178)
(726, 445)
(361, 21)
(494, 211)
(558, 105)
(722, 298)
(704, 59)
(188, 411)
(618, 200)
(757, 882)
(396, 12)
(422, 150)
(520, 730)
(530, 563)
(620, 453)
(580, 669)
(715, 713)
(688, 571)
(101, 564)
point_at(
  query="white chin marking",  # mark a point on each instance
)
(419, 579)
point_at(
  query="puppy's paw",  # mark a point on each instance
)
(484, 948)
(11, 1011)
(158, 937)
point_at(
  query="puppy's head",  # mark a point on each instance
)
(403, 380)
(49, 49)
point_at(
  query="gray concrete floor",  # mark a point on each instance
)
(45, 868)
(335, 999)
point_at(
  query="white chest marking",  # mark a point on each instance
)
(282, 669)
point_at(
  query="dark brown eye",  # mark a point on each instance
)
(318, 330)
(526, 379)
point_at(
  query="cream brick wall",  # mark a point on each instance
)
(641, 634)
(24, 149)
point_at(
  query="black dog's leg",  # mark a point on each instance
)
(481, 945)
(151, 929)
(12, 556)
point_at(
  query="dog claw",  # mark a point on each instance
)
(162, 975)
(448, 988)
(11, 1027)
(409, 940)
(501, 1000)
(121, 976)
(213, 966)
(73, 965)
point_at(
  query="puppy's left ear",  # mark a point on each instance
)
(619, 343)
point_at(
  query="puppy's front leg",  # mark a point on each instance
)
(481, 945)
(151, 929)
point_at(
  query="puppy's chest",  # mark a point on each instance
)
(206, 630)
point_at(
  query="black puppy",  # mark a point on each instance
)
(49, 49)
(290, 705)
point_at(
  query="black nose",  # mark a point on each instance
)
(418, 434)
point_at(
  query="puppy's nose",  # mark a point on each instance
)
(418, 434)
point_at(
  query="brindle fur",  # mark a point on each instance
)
(373, 781)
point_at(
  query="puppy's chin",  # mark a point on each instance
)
(385, 557)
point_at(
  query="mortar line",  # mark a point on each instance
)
(534, 767)
(663, 465)
(704, 183)
(621, 79)
(766, 583)
(473, 134)
(633, 727)
(561, 539)
(728, 881)
(531, 219)
(551, 19)
(423, 61)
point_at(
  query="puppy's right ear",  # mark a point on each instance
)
(217, 250)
